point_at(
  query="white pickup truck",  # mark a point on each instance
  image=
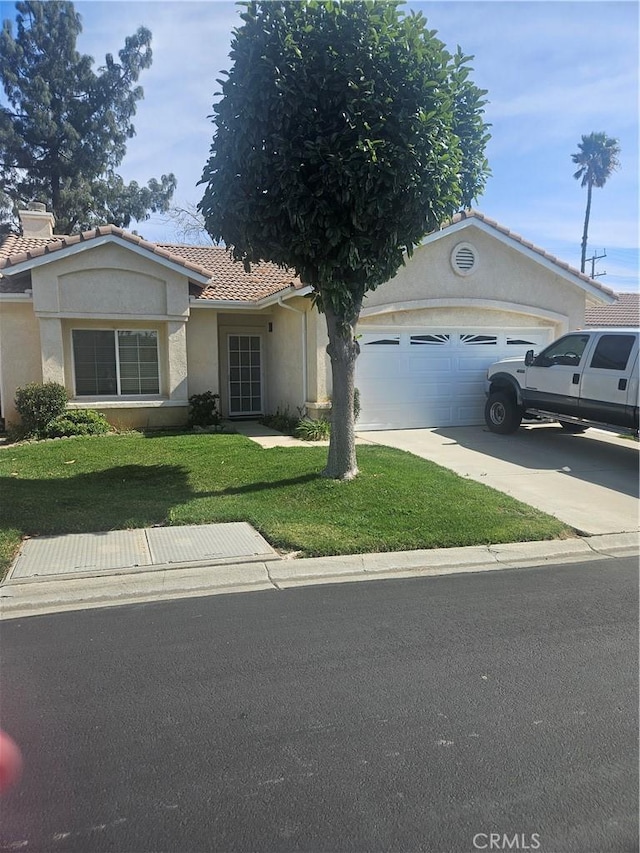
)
(585, 378)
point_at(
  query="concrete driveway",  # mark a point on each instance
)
(589, 481)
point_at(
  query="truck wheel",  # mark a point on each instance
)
(575, 429)
(502, 414)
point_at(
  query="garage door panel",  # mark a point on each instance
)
(431, 378)
(384, 368)
(428, 366)
(382, 417)
(389, 397)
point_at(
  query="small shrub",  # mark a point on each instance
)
(16, 432)
(309, 429)
(77, 422)
(38, 404)
(203, 410)
(281, 421)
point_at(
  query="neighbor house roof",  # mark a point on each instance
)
(219, 277)
(625, 311)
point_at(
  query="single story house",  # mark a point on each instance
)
(133, 328)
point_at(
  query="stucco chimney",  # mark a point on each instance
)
(36, 222)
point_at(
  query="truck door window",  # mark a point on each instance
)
(612, 352)
(567, 350)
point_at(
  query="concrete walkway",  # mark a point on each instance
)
(60, 573)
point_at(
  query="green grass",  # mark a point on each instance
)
(114, 482)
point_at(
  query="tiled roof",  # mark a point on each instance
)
(13, 244)
(475, 214)
(227, 279)
(624, 312)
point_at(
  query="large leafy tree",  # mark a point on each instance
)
(344, 133)
(64, 128)
(597, 159)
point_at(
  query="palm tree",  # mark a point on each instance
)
(597, 158)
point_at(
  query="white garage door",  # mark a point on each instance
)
(432, 378)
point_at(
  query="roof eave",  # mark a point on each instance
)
(94, 242)
(250, 304)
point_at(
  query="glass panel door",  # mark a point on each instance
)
(245, 375)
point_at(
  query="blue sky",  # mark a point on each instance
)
(554, 70)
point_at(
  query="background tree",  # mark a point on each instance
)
(188, 224)
(5, 214)
(597, 159)
(344, 133)
(65, 128)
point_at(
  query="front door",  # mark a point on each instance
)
(245, 374)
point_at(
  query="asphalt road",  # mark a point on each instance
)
(413, 715)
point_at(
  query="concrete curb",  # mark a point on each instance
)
(18, 600)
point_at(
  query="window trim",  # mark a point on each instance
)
(119, 395)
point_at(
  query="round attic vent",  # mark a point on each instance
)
(464, 259)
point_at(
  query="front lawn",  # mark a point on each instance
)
(125, 481)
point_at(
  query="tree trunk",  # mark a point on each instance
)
(583, 261)
(343, 351)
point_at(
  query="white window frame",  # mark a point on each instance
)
(118, 395)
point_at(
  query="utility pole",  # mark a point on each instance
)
(593, 260)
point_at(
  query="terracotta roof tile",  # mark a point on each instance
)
(228, 280)
(624, 312)
(14, 244)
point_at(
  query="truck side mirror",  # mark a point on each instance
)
(528, 358)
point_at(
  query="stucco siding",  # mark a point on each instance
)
(286, 364)
(319, 389)
(20, 361)
(202, 351)
(108, 281)
(150, 416)
(501, 274)
(463, 316)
